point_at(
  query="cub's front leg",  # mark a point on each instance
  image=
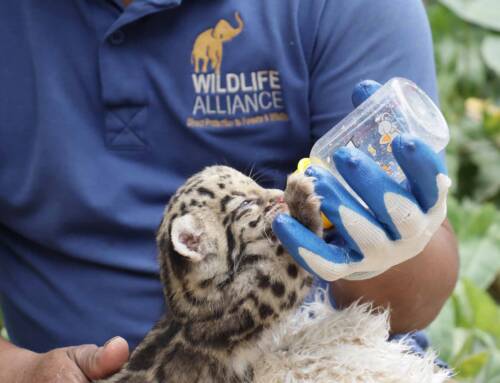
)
(303, 203)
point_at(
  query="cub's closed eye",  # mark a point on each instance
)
(247, 203)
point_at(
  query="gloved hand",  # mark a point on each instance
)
(395, 225)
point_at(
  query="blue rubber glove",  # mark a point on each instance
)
(391, 225)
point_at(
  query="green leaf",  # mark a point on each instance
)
(441, 331)
(476, 219)
(472, 365)
(486, 314)
(462, 344)
(478, 231)
(485, 13)
(484, 339)
(484, 153)
(480, 260)
(455, 214)
(464, 314)
(471, 66)
(490, 49)
(492, 371)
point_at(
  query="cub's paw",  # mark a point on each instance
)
(303, 203)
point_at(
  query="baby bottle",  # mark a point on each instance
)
(399, 106)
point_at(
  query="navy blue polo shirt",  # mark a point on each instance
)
(105, 111)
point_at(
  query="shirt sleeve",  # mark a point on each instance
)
(366, 39)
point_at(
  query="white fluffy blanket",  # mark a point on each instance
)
(320, 344)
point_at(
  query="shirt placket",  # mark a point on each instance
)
(123, 79)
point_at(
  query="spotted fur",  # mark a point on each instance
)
(226, 278)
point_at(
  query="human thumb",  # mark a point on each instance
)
(100, 362)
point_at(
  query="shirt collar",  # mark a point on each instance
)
(139, 9)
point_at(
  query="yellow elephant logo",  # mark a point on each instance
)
(208, 45)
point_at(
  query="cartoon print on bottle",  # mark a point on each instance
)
(387, 129)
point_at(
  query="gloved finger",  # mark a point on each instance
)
(421, 166)
(375, 187)
(336, 202)
(326, 261)
(363, 90)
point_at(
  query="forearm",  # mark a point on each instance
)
(414, 290)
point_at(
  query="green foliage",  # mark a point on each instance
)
(467, 47)
(478, 230)
(485, 13)
(467, 334)
(466, 58)
(474, 156)
(490, 50)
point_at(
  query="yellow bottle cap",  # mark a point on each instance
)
(303, 164)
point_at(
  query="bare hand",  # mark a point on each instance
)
(79, 364)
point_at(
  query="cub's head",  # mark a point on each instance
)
(217, 225)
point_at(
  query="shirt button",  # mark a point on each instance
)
(117, 37)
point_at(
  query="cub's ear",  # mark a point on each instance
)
(187, 232)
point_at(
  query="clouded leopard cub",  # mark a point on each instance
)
(226, 278)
